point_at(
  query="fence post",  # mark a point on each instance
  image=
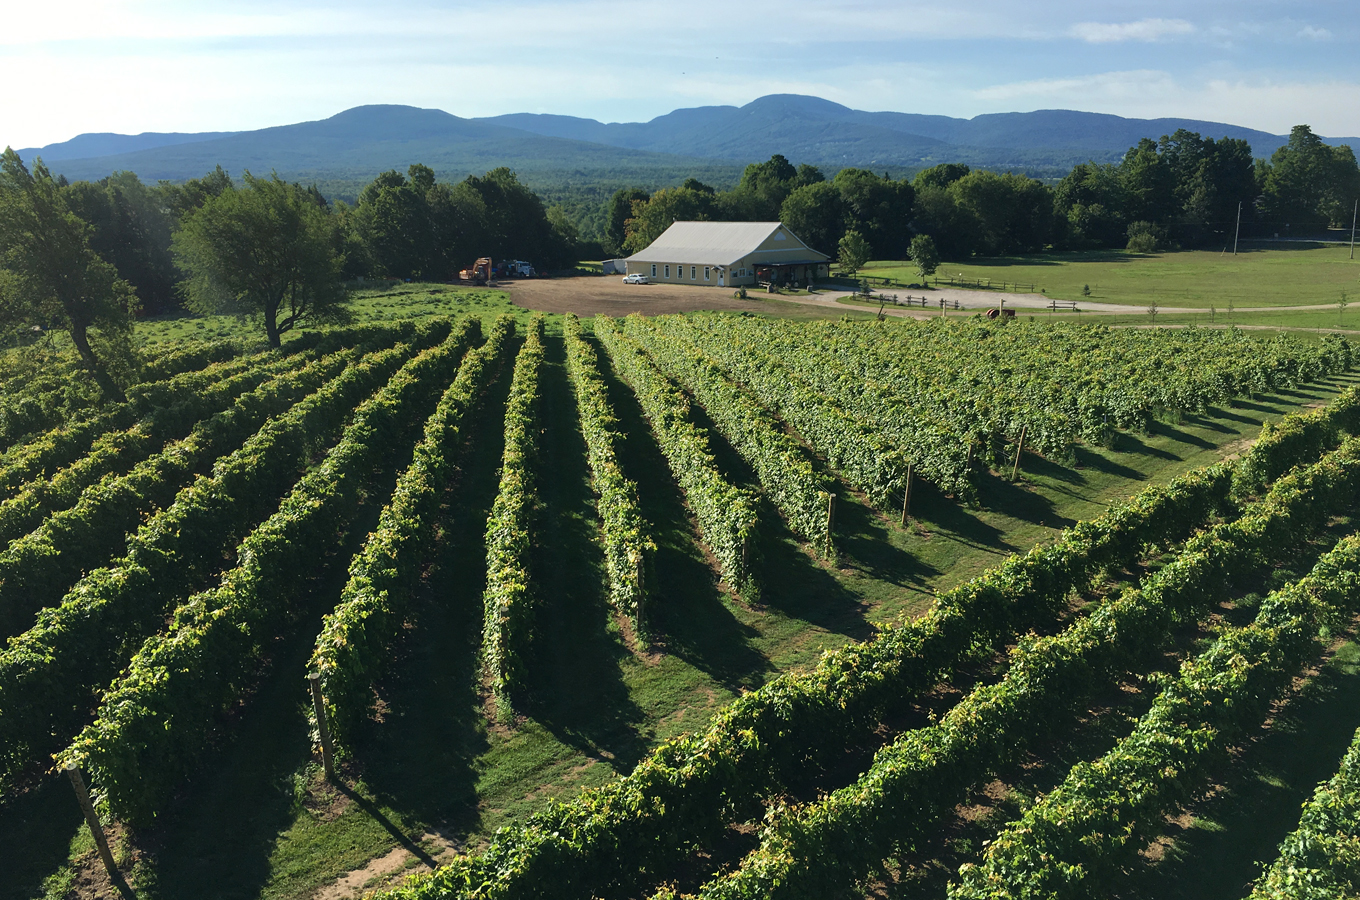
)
(322, 726)
(91, 819)
(906, 496)
(641, 598)
(830, 522)
(1020, 448)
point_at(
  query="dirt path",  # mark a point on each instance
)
(588, 296)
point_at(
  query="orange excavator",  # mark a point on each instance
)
(479, 273)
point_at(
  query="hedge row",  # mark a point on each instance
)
(826, 847)
(507, 629)
(1295, 437)
(784, 467)
(684, 795)
(354, 646)
(117, 451)
(726, 514)
(1082, 834)
(1320, 860)
(855, 449)
(166, 409)
(39, 568)
(48, 672)
(627, 545)
(154, 722)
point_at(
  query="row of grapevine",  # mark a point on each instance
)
(855, 449)
(726, 514)
(47, 673)
(784, 467)
(1320, 860)
(169, 409)
(623, 530)
(37, 569)
(937, 449)
(153, 723)
(174, 398)
(822, 848)
(1093, 377)
(355, 643)
(116, 452)
(507, 628)
(686, 793)
(1091, 826)
(57, 387)
(1282, 444)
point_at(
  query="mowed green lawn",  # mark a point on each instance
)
(1259, 275)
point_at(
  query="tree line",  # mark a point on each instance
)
(1181, 190)
(88, 257)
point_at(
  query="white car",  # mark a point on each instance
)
(635, 278)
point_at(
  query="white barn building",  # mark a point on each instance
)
(726, 254)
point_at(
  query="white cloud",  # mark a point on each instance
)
(1146, 30)
(1316, 34)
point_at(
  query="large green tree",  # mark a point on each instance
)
(1310, 184)
(130, 227)
(266, 249)
(653, 216)
(816, 213)
(619, 211)
(53, 277)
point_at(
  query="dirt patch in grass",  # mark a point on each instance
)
(590, 296)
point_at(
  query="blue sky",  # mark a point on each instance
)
(73, 66)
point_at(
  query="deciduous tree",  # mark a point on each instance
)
(54, 277)
(266, 249)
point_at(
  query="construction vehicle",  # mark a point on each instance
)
(479, 273)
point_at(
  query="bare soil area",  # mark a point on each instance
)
(608, 295)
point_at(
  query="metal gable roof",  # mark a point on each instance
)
(717, 243)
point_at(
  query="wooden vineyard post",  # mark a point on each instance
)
(641, 598)
(830, 522)
(1019, 448)
(322, 726)
(91, 819)
(906, 496)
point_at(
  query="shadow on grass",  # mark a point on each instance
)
(949, 516)
(690, 616)
(1236, 833)
(997, 491)
(422, 757)
(1163, 429)
(864, 542)
(36, 828)
(1099, 462)
(578, 691)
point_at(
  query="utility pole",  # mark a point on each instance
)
(1353, 212)
(1239, 227)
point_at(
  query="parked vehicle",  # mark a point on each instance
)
(479, 273)
(636, 278)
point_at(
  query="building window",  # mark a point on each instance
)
(653, 270)
(668, 271)
(706, 273)
(693, 273)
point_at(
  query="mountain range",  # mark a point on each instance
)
(358, 143)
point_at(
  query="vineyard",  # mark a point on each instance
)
(704, 606)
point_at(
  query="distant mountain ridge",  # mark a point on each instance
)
(365, 140)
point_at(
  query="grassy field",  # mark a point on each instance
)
(1260, 275)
